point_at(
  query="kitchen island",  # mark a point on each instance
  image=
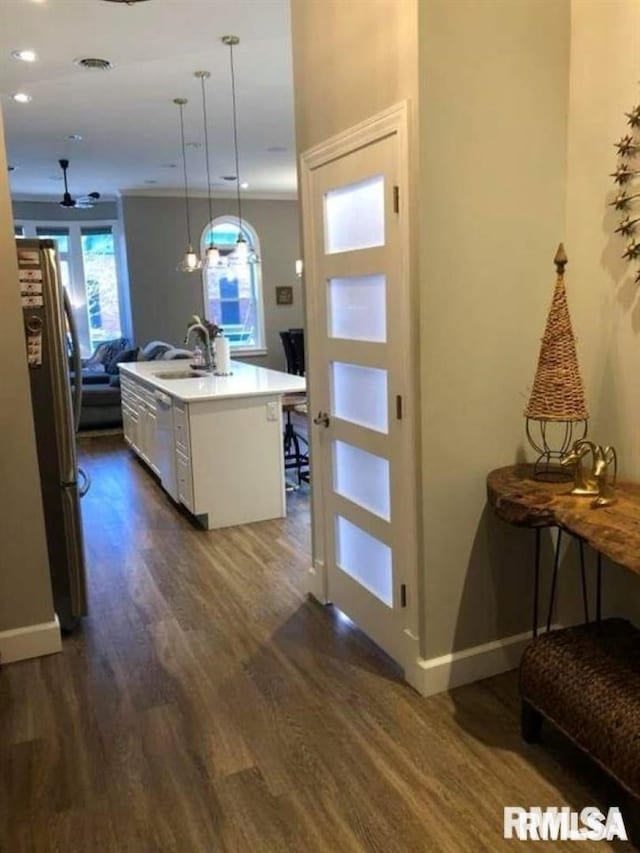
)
(215, 442)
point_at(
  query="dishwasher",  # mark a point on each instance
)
(165, 444)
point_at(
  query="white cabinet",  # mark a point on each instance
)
(221, 458)
(139, 420)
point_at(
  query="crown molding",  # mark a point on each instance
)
(55, 198)
(178, 193)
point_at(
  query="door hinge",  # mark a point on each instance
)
(403, 595)
(398, 407)
(396, 199)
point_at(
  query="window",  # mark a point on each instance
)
(233, 295)
(89, 271)
(101, 284)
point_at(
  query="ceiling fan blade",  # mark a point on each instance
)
(87, 201)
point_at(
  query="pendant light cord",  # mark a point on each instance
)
(235, 135)
(206, 154)
(184, 170)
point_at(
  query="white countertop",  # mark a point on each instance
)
(247, 380)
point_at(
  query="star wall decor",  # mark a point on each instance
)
(625, 176)
(627, 226)
(623, 173)
(634, 117)
(627, 146)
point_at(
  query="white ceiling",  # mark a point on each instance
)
(126, 116)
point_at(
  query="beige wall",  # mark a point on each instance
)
(493, 106)
(352, 59)
(605, 301)
(25, 588)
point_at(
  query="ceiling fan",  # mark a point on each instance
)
(83, 201)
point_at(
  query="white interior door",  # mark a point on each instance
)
(360, 343)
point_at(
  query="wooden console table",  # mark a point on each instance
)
(614, 531)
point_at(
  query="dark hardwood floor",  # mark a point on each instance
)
(208, 706)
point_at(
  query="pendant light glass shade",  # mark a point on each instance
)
(241, 253)
(191, 262)
(212, 256)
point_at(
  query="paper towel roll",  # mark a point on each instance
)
(222, 355)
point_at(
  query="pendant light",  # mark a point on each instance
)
(191, 262)
(241, 253)
(212, 255)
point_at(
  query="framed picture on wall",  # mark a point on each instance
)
(284, 295)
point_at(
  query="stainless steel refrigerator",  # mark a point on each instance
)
(52, 348)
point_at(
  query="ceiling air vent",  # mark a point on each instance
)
(93, 63)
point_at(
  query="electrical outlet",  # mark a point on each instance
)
(272, 411)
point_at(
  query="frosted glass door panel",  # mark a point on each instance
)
(365, 559)
(354, 216)
(359, 395)
(357, 308)
(362, 477)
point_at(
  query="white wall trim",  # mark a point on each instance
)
(168, 192)
(31, 641)
(436, 675)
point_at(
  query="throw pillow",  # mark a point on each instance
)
(124, 355)
(157, 352)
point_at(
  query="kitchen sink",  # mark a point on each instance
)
(179, 374)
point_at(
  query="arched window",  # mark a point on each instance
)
(233, 294)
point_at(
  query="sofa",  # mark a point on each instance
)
(101, 378)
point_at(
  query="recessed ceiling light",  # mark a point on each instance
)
(74, 137)
(21, 97)
(25, 55)
(244, 185)
(93, 63)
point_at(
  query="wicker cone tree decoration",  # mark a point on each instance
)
(557, 396)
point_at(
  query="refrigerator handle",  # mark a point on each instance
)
(77, 360)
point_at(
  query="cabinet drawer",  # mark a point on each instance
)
(181, 431)
(185, 481)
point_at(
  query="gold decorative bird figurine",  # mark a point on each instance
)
(584, 482)
(605, 472)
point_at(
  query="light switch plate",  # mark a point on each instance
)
(272, 411)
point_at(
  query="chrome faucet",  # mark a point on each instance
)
(197, 325)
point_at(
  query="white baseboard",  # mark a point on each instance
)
(32, 641)
(436, 675)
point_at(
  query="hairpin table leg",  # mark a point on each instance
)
(585, 597)
(599, 589)
(554, 580)
(536, 586)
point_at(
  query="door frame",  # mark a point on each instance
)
(392, 121)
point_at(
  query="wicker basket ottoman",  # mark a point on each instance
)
(586, 681)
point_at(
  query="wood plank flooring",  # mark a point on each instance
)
(207, 706)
